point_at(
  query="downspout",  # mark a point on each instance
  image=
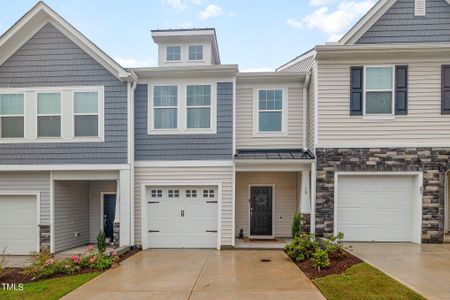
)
(305, 100)
(131, 157)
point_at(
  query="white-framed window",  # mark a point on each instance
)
(182, 107)
(165, 107)
(12, 115)
(85, 113)
(270, 111)
(379, 90)
(52, 114)
(198, 106)
(48, 115)
(195, 52)
(173, 53)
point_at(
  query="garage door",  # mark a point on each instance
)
(377, 208)
(18, 224)
(182, 217)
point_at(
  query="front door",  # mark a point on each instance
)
(109, 213)
(261, 210)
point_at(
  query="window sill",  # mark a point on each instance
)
(269, 134)
(378, 117)
(182, 132)
(50, 140)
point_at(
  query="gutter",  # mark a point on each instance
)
(131, 155)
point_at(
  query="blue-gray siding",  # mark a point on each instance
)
(51, 59)
(188, 146)
(399, 25)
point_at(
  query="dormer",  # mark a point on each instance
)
(186, 47)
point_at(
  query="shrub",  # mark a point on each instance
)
(320, 259)
(42, 265)
(302, 247)
(296, 225)
(3, 264)
(101, 243)
(101, 262)
(336, 245)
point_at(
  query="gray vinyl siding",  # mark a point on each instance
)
(29, 182)
(71, 214)
(96, 188)
(217, 146)
(50, 59)
(399, 25)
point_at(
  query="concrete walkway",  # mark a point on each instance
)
(424, 268)
(201, 274)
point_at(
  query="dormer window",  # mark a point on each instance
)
(173, 53)
(196, 52)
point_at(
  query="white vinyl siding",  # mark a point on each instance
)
(246, 119)
(146, 175)
(285, 194)
(423, 126)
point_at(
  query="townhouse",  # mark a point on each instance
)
(192, 153)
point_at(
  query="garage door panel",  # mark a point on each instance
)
(376, 207)
(9, 217)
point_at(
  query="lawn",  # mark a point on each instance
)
(48, 289)
(363, 281)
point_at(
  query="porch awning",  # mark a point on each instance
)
(294, 154)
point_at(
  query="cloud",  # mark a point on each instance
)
(294, 23)
(211, 11)
(320, 2)
(180, 5)
(134, 62)
(334, 22)
(262, 69)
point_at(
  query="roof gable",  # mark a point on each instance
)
(39, 16)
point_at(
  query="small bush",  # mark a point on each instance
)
(42, 265)
(296, 225)
(3, 264)
(302, 247)
(320, 259)
(336, 245)
(101, 243)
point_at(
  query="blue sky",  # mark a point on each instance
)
(256, 34)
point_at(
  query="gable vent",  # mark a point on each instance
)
(419, 7)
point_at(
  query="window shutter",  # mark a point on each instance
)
(401, 90)
(356, 91)
(445, 105)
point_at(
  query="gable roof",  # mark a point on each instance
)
(367, 21)
(35, 19)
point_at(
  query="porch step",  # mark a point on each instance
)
(120, 250)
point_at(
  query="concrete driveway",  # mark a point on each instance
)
(201, 274)
(424, 268)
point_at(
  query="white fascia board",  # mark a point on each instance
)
(74, 167)
(42, 14)
(272, 77)
(366, 22)
(185, 71)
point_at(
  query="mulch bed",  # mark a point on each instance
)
(338, 265)
(14, 274)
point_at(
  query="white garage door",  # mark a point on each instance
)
(378, 208)
(182, 217)
(18, 224)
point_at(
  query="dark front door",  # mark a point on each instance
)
(109, 213)
(260, 210)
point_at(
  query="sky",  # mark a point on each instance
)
(259, 35)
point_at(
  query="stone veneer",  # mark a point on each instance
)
(44, 238)
(305, 221)
(116, 234)
(433, 162)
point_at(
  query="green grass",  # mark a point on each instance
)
(48, 289)
(363, 281)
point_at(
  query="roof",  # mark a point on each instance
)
(294, 154)
(185, 71)
(291, 66)
(35, 19)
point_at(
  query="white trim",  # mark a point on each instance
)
(184, 163)
(417, 238)
(233, 210)
(420, 7)
(284, 111)
(261, 237)
(63, 167)
(392, 90)
(102, 207)
(38, 209)
(316, 105)
(86, 175)
(52, 213)
(146, 184)
(234, 115)
(313, 182)
(182, 107)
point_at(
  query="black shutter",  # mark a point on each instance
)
(401, 90)
(356, 91)
(445, 101)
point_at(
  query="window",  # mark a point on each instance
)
(270, 111)
(379, 92)
(12, 115)
(173, 53)
(156, 193)
(208, 193)
(198, 106)
(86, 114)
(196, 52)
(165, 101)
(174, 193)
(191, 193)
(49, 114)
